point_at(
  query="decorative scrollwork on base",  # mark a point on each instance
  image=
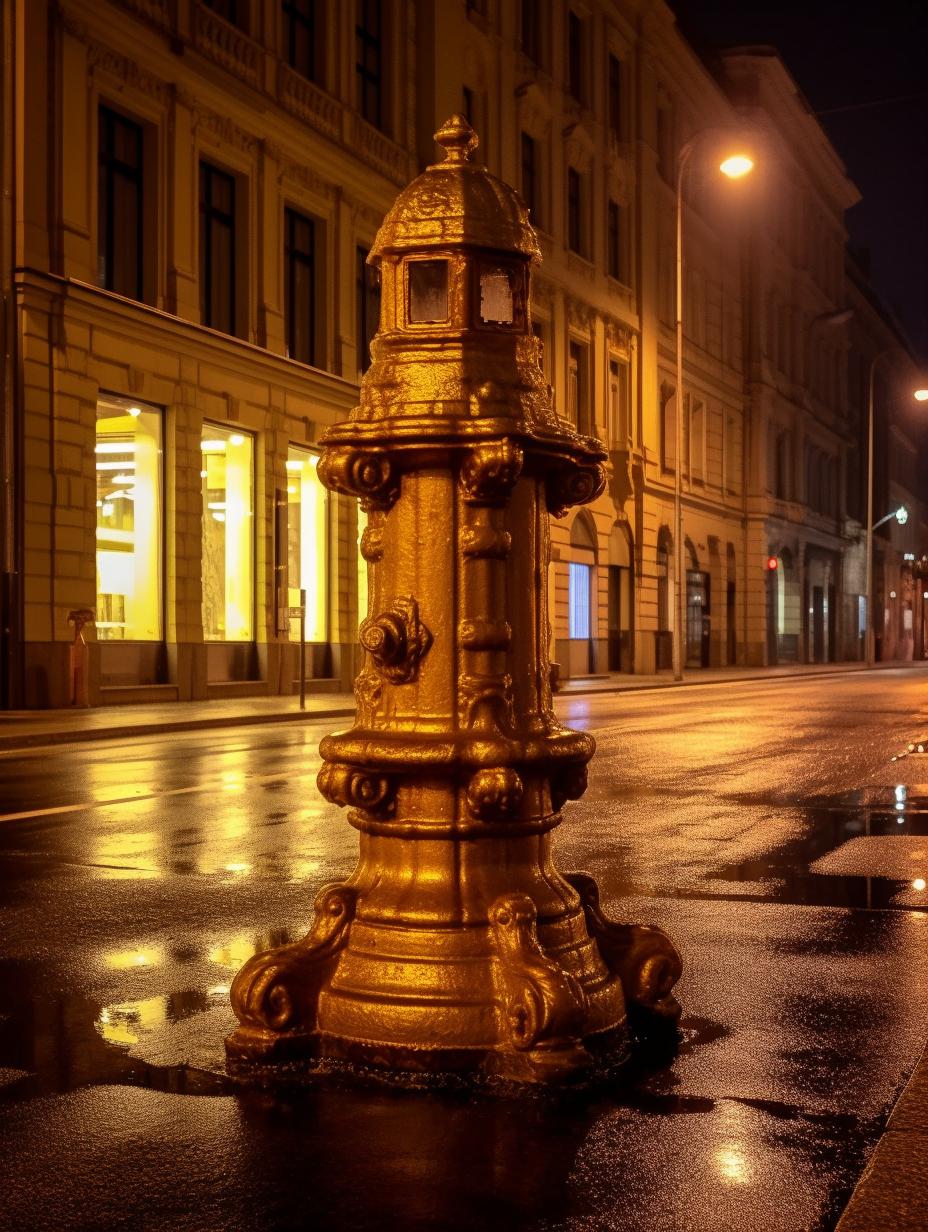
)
(396, 640)
(643, 957)
(278, 990)
(367, 474)
(542, 1006)
(570, 784)
(489, 472)
(494, 793)
(351, 787)
(574, 485)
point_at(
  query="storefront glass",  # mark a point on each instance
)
(129, 521)
(307, 541)
(227, 474)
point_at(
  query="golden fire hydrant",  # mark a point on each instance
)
(456, 945)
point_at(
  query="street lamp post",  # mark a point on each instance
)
(920, 395)
(734, 166)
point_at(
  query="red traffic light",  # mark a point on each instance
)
(771, 562)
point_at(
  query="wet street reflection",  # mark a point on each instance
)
(790, 872)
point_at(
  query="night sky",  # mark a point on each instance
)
(843, 55)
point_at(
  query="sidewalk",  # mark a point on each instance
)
(21, 729)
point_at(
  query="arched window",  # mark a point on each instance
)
(664, 547)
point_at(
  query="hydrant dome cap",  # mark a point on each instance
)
(457, 202)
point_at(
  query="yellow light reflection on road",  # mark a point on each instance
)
(128, 1022)
(130, 960)
(732, 1165)
(234, 953)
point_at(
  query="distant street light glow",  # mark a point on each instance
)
(738, 165)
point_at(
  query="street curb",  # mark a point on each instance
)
(893, 1189)
(82, 735)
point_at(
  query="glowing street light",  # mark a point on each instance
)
(735, 166)
(921, 395)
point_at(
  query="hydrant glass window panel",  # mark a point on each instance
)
(128, 462)
(307, 543)
(496, 296)
(428, 291)
(227, 476)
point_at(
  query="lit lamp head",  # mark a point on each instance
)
(902, 515)
(921, 395)
(735, 166)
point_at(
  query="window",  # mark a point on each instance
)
(614, 240)
(428, 292)
(541, 330)
(732, 459)
(781, 483)
(664, 623)
(666, 142)
(575, 236)
(615, 97)
(578, 608)
(575, 56)
(578, 394)
(234, 11)
(217, 249)
(307, 541)
(530, 29)
(227, 474)
(300, 286)
(119, 205)
(367, 290)
(620, 428)
(529, 152)
(129, 521)
(668, 429)
(369, 61)
(303, 35)
(697, 441)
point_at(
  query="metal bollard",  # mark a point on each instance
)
(79, 657)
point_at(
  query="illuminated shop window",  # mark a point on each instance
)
(129, 522)
(428, 291)
(227, 474)
(581, 581)
(307, 541)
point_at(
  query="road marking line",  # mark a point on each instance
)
(220, 789)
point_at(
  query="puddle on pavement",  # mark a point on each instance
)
(784, 872)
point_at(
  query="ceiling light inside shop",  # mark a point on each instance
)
(125, 464)
(115, 447)
(134, 411)
(236, 439)
(213, 446)
(295, 464)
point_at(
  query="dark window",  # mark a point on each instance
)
(477, 6)
(575, 56)
(614, 237)
(369, 61)
(574, 212)
(303, 36)
(615, 96)
(666, 142)
(467, 104)
(300, 288)
(428, 292)
(368, 305)
(530, 30)
(217, 248)
(119, 217)
(530, 176)
(234, 11)
(578, 394)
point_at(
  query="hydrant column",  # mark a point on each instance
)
(456, 944)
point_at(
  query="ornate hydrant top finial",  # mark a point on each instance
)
(458, 139)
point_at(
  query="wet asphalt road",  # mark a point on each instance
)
(137, 876)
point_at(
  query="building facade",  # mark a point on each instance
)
(188, 305)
